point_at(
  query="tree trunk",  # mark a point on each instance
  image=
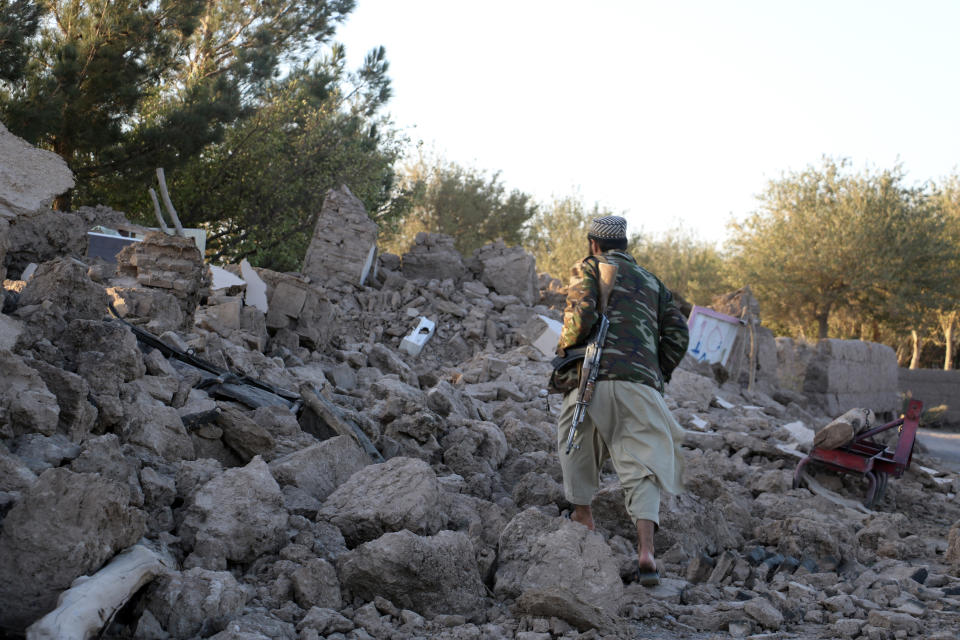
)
(948, 339)
(822, 325)
(917, 346)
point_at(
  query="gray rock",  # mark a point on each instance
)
(325, 621)
(242, 434)
(238, 515)
(560, 603)
(475, 447)
(433, 257)
(195, 602)
(77, 415)
(26, 404)
(30, 178)
(158, 429)
(322, 467)
(537, 551)
(537, 489)
(14, 474)
(316, 585)
(508, 271)
(402, 493)
(428, 574)
(761, 610)
(389, 362)
(65, 525)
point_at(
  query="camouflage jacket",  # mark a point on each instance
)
(648, 334)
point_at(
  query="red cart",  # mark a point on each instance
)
(876, 462)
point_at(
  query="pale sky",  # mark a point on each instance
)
(672, 113)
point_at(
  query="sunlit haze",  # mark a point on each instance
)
(675, 114)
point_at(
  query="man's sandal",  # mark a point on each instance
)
(647, 577)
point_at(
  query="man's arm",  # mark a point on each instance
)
(580, 314)
(674, 334)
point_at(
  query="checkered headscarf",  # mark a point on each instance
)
(608, 228)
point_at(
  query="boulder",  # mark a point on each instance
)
(537, 552)
(237, 516)
(508, 271)
(402, 493)
(196, 602)
(60, 291)
(315, 584)
(428, 574)
(64, 526)
(322, 467)
(433, 257)
(26, 404)
(30, 178)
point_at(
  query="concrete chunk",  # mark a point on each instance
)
(344, 240)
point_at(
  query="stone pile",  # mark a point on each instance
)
(275, 524)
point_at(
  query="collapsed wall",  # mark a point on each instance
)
(839, 375)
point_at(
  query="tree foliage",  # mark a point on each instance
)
(120, 87)
(827, 241)
(259, 191)
(471, 206)
(557, 235)
(689, 266)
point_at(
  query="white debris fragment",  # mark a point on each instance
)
(720, 402)
(802, 434)
(544, 334)
(256, 294)
(220, 278)
(699, 423)
(413, 344)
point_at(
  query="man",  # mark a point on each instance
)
(627, 419)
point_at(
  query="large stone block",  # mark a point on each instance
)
(537, 551)
(433, 257)
(508, 271)
(428, 574)
(30, 178)
(402, 493)
(344, 242)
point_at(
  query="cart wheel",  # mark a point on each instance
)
(871, 489)
(882, 478)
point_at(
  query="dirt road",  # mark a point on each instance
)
(943, 445)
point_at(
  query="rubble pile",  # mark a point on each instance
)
(230, 449)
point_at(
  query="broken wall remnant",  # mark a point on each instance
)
(507, 270)
(43, 235)
(171, 263)
(297, 306)
(433, 257)
(344, 240)
(839, 375)
(934, 387)
(30, 178)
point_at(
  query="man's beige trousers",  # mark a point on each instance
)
(628, 422)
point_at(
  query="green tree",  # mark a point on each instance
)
(119, 87)
(689, 266)
(19, 20)
(467, 204)
(826, 242)
(557, 235)
(259, 191)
